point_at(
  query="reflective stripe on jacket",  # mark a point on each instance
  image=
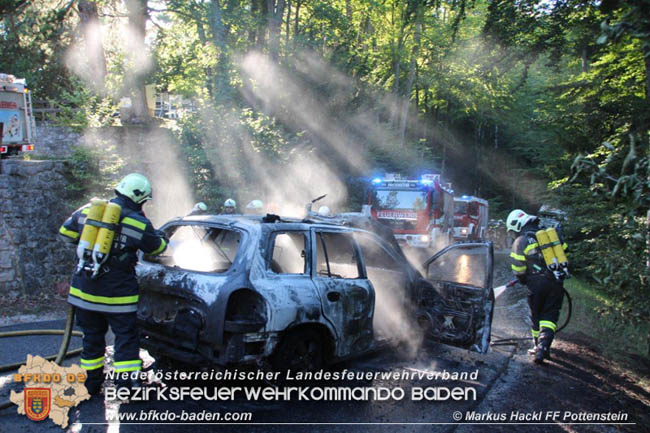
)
(115, 289)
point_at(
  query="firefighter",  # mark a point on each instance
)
(255, 207)
(545, 290)
(324, 211)
(111, 296)
(229, 207)
(199, 209)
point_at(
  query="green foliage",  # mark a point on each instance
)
(33, 37)
(88, 176)
(81, 109)
(624, 337)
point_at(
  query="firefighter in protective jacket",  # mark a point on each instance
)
(109, 296)
(545, 289)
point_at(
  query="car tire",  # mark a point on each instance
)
(299, 350)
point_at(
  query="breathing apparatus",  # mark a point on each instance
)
(554, 256)
(97, 236)
(548, 241)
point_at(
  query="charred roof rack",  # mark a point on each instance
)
(271, 218)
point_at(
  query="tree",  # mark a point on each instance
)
(137, 73)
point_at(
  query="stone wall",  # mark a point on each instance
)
(55, 141)
(33, 196)
(32, 259)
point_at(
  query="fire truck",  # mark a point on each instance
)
(470, 218)
(16, 117)
(419, 211)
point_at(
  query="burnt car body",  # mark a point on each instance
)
(301, 293)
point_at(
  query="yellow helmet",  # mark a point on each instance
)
(136, 187)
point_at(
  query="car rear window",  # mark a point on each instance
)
(200, 248)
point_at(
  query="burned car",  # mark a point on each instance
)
(302, 293)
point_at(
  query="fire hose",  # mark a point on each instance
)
(513, 341)
(58, 358)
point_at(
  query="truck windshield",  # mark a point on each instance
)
(395, 199)
(460, 208)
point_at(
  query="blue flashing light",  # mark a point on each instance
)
(426, 182)
(376, 180)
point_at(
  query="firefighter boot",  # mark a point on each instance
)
(544, 345)
(533, 350)
(94, 381)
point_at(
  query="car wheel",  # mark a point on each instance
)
(300, 350)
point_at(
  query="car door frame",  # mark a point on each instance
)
(481, 342)
(351, 314)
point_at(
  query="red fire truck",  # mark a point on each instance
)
(16, 118)
(470, 218)
(420, 211)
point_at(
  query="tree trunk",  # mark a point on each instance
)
(275, 12)
(139, 113)
(287, 26)
(585, 60)
(252, 31)
(296, 27)
(200, 31)
(397, 52)
(409, 87)
(221, 78)
(90, 28)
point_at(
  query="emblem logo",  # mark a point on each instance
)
(37, 403)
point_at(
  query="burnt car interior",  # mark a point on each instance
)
(336, 256)
(200, 248)
(461, 275)
(289, 253)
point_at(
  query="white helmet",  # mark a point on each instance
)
(256, 205)
(230, 203)
(136, 187)
(200, 207)
(517, 219)
(324, 211)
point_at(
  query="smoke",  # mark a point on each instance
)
(149, 150)
(152, 152)
(86, 58)
(393, 319)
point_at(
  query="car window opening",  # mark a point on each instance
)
(336, 256)
(289, 253)
(200, 248)
(462, 266)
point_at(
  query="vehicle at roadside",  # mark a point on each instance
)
(300, 294)
(470, 218)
